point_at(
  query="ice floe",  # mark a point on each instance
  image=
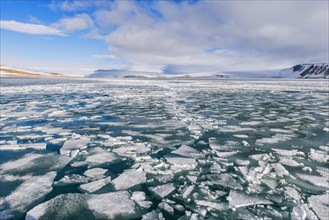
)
(240, 199)
(72, 206)
(162, 190)
(95, 185)
(128, 179)
(320, 205)
(71, 147)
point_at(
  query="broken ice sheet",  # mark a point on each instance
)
(224, 180)
(128, 179)
(118, 205)
(187, 151)
(95, 185)
(71, 147)
(320, 205)
(28, 194)
(240, 199)
(98, 156)
(162, 191)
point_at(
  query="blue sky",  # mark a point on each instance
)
(79, 37)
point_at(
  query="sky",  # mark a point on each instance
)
(77, 37)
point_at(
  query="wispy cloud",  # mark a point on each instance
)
(104, 56)
(27, 28)
(75, 23)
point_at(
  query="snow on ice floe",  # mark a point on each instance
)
(319, 156)
(315, 180)
(72, 180)
(12, 145)
(302, 212)
(162, 191)
(71, 147)
(38, 172)
(28, 194)
(187, 151)
(239, 199)
(34, 164)
(96, 173)
(118, 205)
(128, 179)
(320, 205)
(95, 185)
(224, 180)
(100, 156)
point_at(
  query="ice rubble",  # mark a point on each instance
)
(70, 206)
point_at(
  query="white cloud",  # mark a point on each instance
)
(37, 29)
(76, 23)
(104, 56)
(217, 35)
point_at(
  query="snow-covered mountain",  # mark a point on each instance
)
(311, 71)
(8, 71)
(314, 71)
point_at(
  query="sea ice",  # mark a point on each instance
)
(288, 153)
(35, 146)
(319, 156)
(71, 179)
(315, 180)
(183, 162)
(100, 156)
(71, 147)
(320, 205)
(95, 185)
(224, 180)
(128, 179)
(280, 170)
(95, 173)
(162, 190)
(213, 205)
(114, 205)
(290, 162)
(188, 191)
(132, 149)
(240, 199)
(292, 193)
(30, 193)
(187, 151)
(35, 164)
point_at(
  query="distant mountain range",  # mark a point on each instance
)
(8, 71)
(303, 71)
